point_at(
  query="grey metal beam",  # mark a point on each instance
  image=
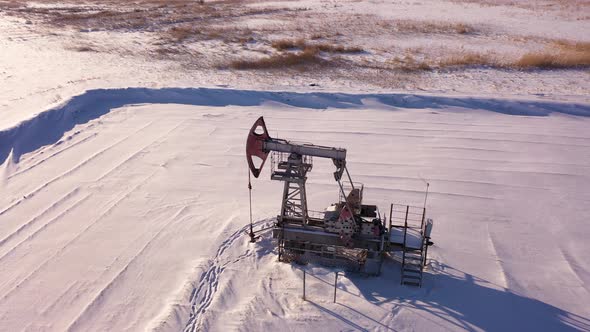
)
(281, 145)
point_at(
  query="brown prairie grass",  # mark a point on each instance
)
(572, 46)
(410, 64)
(545, 60)
(413, 26)
(288, 44)
(154, 15)
(468, 59)
(331, 48)
(303, 60)
(560, 54)
(306, 55)
(183, 33)
(6, 4)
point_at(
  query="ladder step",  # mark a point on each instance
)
(414, 253)
(414, 259)
(411, 252)
(411, 277)
(412, 267)
(413, 283)
(410, 249)
(413, 270)
(416, 263)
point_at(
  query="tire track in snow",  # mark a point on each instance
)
(115, 203)
(575, 268)
(68, 172)
(202, 296)
(33, 220)
(18, 284)
(47, 224)
(138, 152)
(41, 161)
(97, 298)
(134, 155)
(70, 289)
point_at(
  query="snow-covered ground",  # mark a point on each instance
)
(124, 200)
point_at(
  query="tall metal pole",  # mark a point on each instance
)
(252, 235)
(426, 196)
(335, 284)
(304, 286)
(390, 216)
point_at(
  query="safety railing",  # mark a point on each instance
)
(277, 158)
(406, 216)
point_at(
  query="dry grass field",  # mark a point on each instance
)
(288, 35)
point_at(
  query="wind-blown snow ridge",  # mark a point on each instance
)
(49, 126)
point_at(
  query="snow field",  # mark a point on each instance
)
(130, 212)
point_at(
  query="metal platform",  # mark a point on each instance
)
(312, 242)
(414, 237)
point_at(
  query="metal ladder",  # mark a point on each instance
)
(412, 267)
(413, 259)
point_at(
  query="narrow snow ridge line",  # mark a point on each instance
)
(73, 169)
(116, 202)
(52, 305)
(51, 221)
(31, 221)
(109, 285)
(6, 295)
(135, 154)
(574, 268)
(85, 139)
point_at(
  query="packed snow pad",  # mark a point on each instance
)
(137, 218)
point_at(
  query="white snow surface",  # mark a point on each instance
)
(126, 208)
